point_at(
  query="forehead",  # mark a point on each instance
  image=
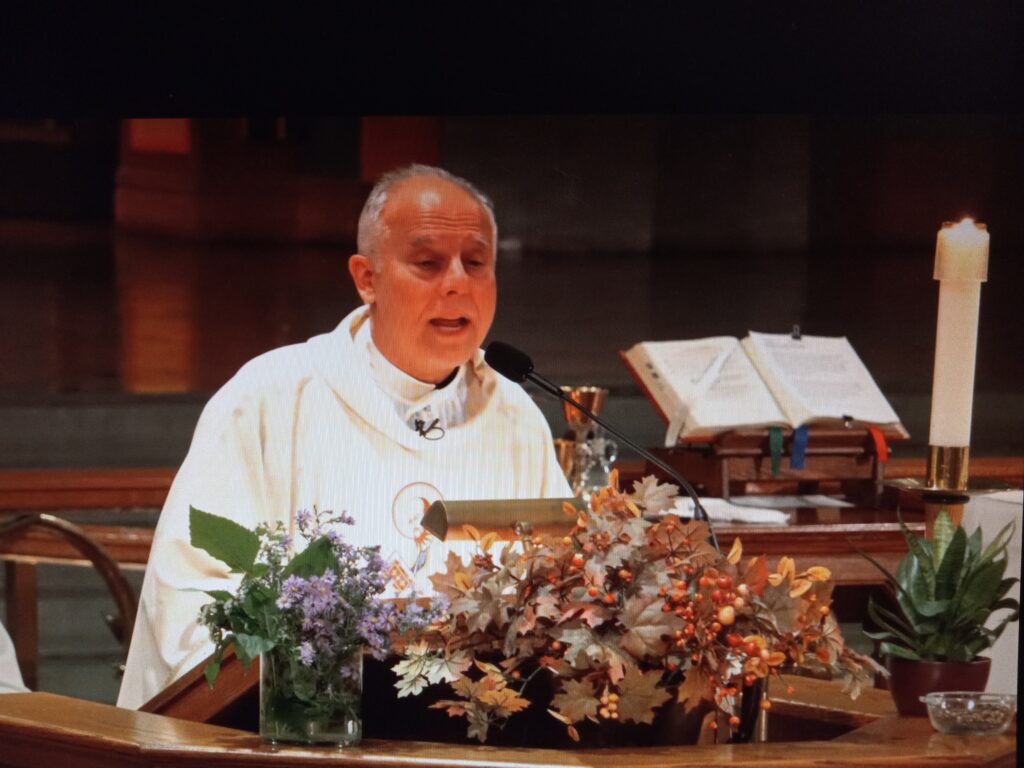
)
(425, 205)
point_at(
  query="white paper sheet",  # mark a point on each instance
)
(787, 502)
(720, 510)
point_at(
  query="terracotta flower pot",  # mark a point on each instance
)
(913, 679)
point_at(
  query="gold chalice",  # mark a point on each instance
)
(591, 398)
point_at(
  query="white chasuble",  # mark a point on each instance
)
(326, 424)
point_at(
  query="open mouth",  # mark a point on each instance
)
(450, 323)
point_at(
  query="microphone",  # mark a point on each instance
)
(431, 431)
(516, 365)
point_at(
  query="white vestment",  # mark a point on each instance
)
(10, 674)
(327, 424)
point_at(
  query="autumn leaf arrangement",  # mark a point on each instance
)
(629, 611)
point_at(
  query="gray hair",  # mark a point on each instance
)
(369, 230)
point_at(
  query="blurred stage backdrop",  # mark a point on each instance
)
(142, 262)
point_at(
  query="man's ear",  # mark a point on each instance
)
(361, 269)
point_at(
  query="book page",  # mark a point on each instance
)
(736, 397)
(690, 366)
(676, 373)
(818, 377)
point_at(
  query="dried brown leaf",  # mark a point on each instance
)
(487, 540)
(640, 695)
(647, 626)
(736, 552)
(576, 700)
(694, 689)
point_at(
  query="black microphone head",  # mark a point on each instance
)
(508, 361)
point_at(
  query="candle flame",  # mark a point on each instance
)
(966, 224)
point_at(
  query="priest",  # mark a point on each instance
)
(393, 409)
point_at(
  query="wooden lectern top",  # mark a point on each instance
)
(45, 729)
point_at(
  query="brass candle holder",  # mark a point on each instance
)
(947, 484)
(947, 468)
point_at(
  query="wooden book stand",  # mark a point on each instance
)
(839, 459)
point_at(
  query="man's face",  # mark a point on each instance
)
(432, 291)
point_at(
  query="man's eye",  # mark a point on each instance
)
(426, 264)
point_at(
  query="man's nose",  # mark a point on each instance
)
(455, 277)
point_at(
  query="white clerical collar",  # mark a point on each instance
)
(414, 400)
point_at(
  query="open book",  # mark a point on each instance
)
(705, 386)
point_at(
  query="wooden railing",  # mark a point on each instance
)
(28, 536)
(44, 729)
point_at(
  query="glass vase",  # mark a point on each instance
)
(317, 704)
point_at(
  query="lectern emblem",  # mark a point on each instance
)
(409, 505)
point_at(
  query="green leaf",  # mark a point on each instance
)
(259, 570)
(937, 646)
(248, 647)
(258, 599)
(211, 670)
(1005, 586)
(942, 535)
(979, 589)
(897, 650)
(313, 560)
(931, 608)
(889, 576)
(922, 627)
(970, 651)
(1007, 602)
(998, 631)
(948, 574)
(895, 627)
(922, 559)
(223, 539)
(220, 595)
(1000, 542)
(974, 544)
(916, 588)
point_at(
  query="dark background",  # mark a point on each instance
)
(661, 170)
(144, 261)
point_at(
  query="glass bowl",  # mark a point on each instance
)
(970, 713)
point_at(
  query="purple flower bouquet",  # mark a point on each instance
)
(308, 617)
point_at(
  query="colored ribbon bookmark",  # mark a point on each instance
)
(775, 448)
(798, 453)
(881, 446)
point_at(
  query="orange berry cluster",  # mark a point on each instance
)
(609, 706)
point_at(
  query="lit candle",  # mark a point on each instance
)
(961, 266)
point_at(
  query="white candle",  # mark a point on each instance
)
(961, 266)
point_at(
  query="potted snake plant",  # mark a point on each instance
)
(945, 589)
